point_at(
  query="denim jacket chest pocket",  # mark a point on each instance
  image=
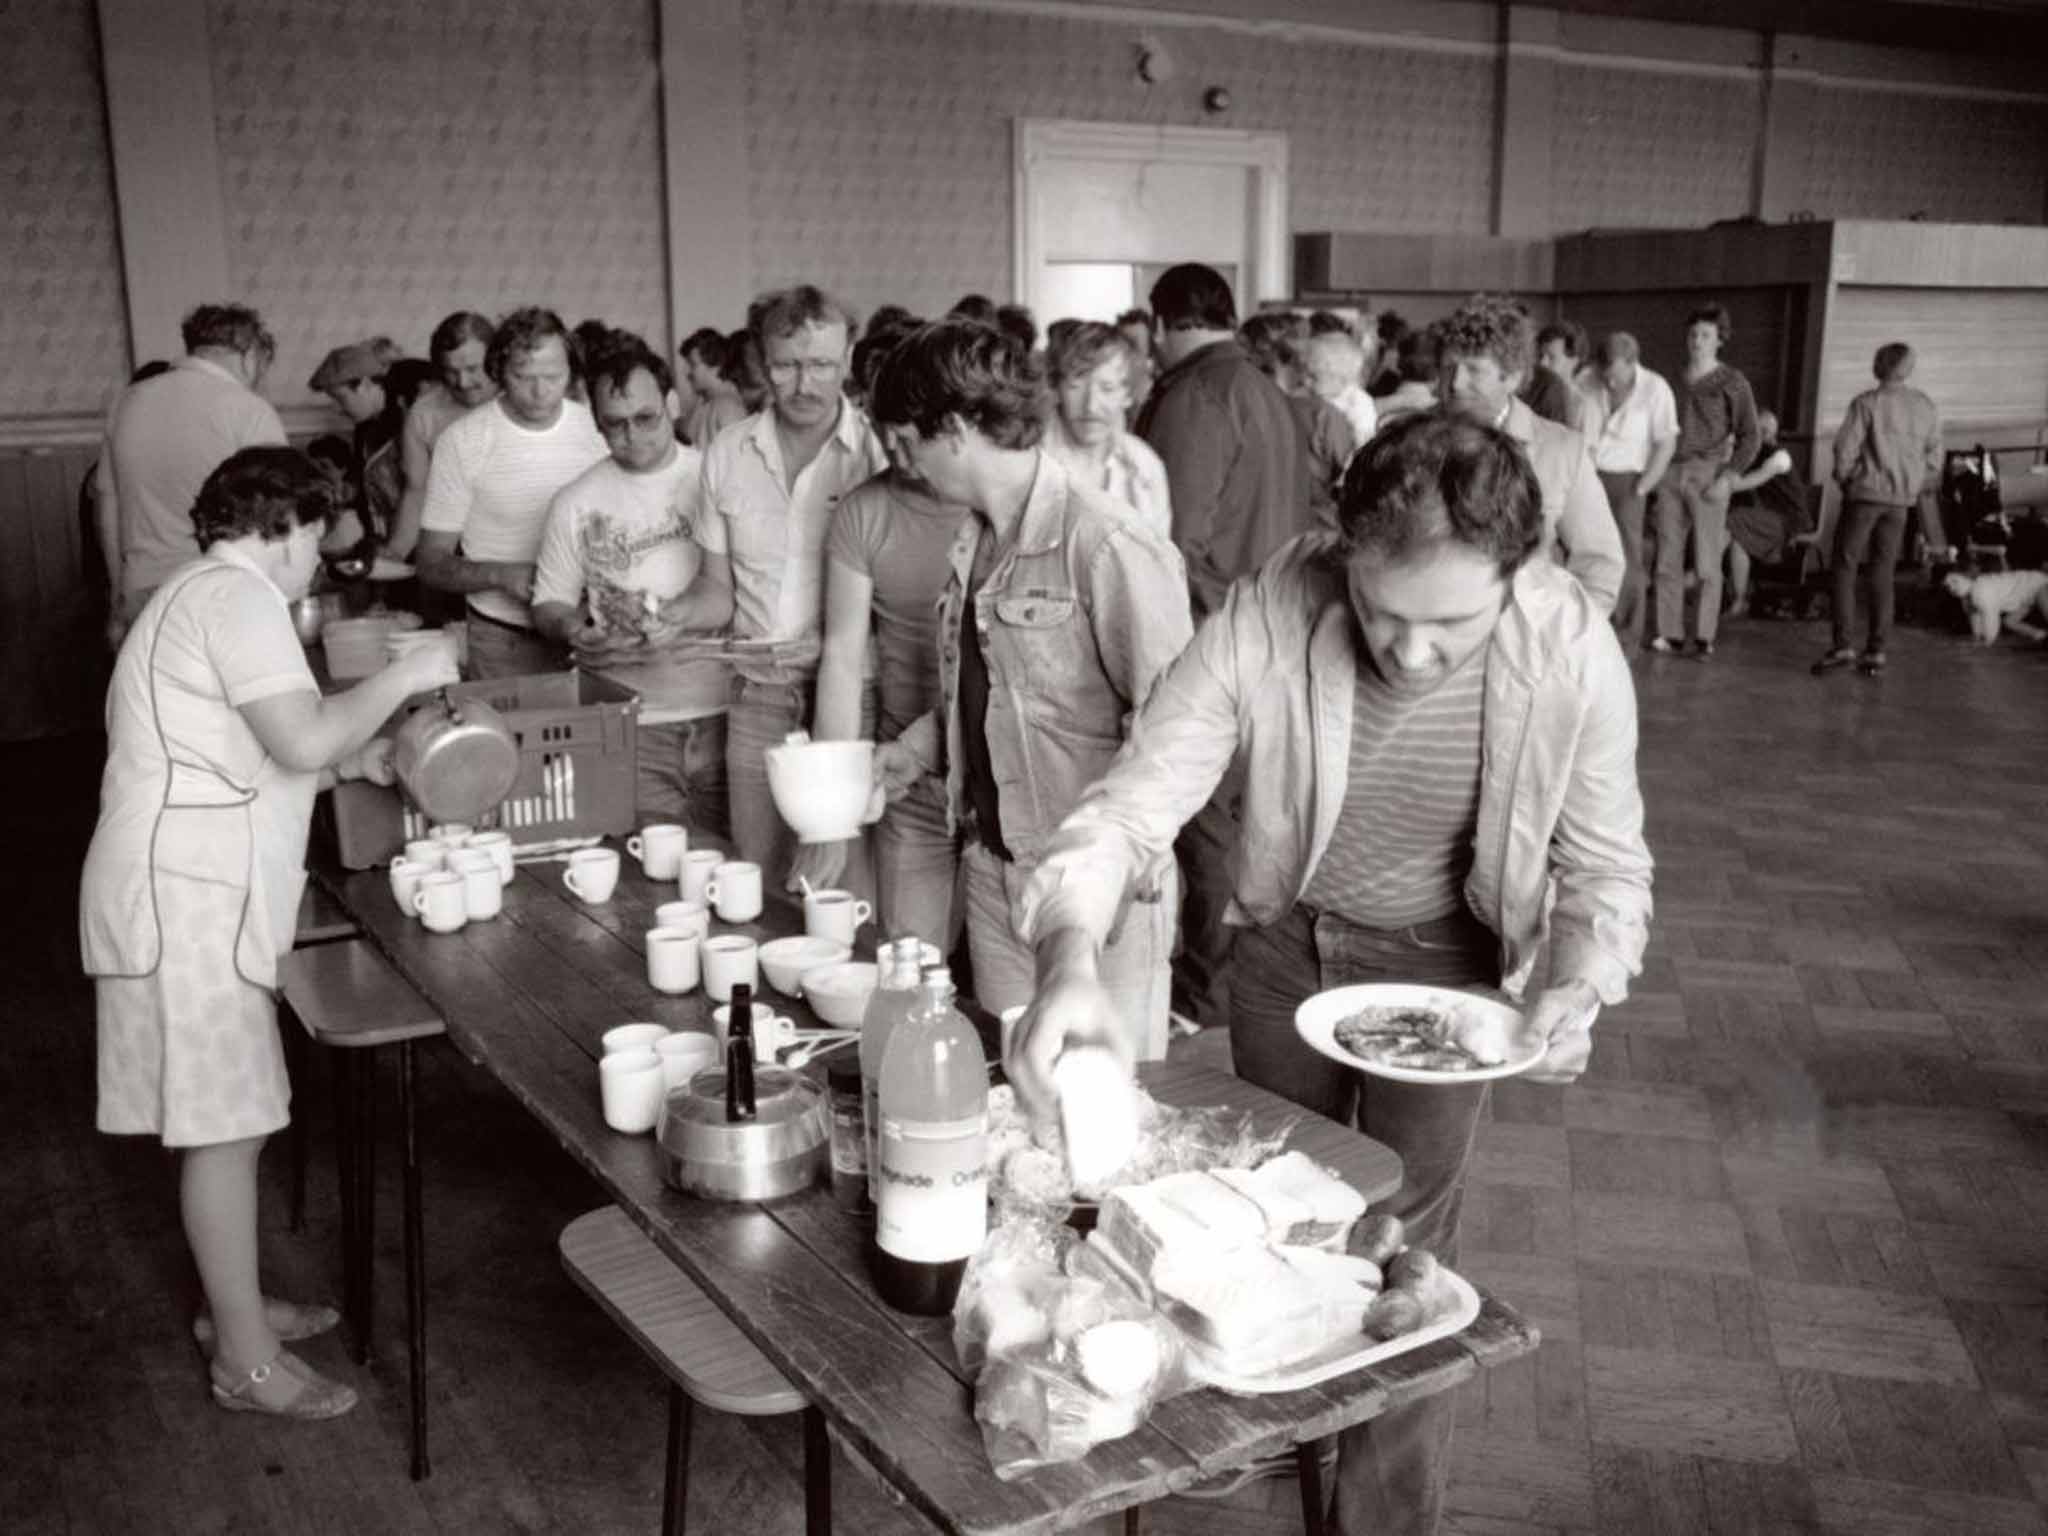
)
(1033, 642)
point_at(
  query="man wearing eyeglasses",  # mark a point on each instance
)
(616, 556)
(771, 483)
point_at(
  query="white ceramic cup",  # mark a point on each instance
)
(406, 875)
(633, 1037)
(632, 1086)
(593, 874)
(660, 849)
(735, 890)
(686, 1053)
(442, 901)
(424, 850)
(683, 914)
(777, 1028)
(672, 958)
(483, 893)
(835, 915)
(696, 870)
(499, 846)
(730, 960)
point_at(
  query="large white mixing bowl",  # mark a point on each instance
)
(822, 788)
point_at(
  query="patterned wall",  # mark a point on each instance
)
(383, 164)
(1639, 149)
(880, 134)
(62, 326)
(1894, 154)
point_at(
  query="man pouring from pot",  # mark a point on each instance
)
(1440, 737)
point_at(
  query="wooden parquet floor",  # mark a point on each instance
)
(1787, 1241)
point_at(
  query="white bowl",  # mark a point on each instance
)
(784, 961)
(822, 788)
(839, 993)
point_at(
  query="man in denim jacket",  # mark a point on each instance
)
(1061, 610)
(1439, 734)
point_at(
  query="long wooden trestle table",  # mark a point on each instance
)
(529, 994)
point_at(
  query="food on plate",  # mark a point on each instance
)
(1380, 1237)
(1248, 1310)
(1411, 1269)
(1119, 1359)
(1303, 1202)
(1322, 1265)
(1392, 1314)
(1098, 1113)
(1431, 1037)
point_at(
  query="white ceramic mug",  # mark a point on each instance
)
(499, 846)
(696, 870)
(735, 889)
(686, 1053)
(672, 958)
(683, 914)
(406, 875)
(442, 901)
(424, 850)
(835, 915)
(730, 960)
(660, 849)
(777, 1029)
(593, 874)
(632, 1086)
(483, 893)
(633, 1037)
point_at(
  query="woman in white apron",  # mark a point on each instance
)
(217, 739)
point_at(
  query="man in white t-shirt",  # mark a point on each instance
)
(494, 473)
(1630, 417)
(616, 553)
(771, 483)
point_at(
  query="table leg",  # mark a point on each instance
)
(366, 1204)
(344, 1071)
(1134, 1520)
(1308, 1465)
(817, 1474)
(415, 1258)
(675, 1487)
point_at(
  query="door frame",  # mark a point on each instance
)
(1039, 140)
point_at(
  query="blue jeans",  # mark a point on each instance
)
(917, 864)
(1390, 1471)
(679, 774)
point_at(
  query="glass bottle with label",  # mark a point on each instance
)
(932, 1152)
(894, 998)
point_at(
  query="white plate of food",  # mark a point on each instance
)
(1418, 1034)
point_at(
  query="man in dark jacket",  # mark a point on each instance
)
(1237, 462)
(1235, 459)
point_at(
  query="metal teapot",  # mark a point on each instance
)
(455, 761)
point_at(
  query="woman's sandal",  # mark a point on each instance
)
(316, 1397)
(304, 1321)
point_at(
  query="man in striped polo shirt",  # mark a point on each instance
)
(1438, 731)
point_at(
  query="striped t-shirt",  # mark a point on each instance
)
(1403, 841)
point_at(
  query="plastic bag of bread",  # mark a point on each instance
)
(1063, 1361)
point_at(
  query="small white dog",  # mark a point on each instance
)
(2002, 599)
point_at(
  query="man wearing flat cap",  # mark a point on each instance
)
(352, 377)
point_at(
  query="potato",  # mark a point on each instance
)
(1392, 1314)
(1411, 1269)
(1378, 1238)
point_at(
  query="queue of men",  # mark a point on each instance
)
(1153, 666)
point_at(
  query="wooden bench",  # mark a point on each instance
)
(698, 1348)
(346, 996)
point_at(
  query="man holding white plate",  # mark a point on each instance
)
(1439, 736)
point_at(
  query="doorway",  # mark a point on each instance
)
(1101, 209)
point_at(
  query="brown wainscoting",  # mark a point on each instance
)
(52, 661)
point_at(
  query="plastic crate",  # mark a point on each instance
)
(577, 734)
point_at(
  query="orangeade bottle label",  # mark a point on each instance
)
(933, 1178)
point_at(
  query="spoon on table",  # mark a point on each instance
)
(801, 1055)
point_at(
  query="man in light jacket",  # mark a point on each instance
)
(1887, 452)
(1439, 732)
